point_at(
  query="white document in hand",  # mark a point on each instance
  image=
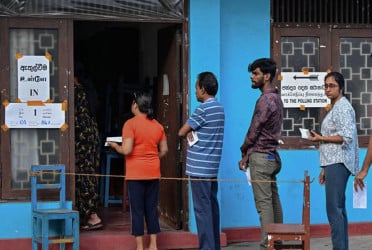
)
(305, 133)
(117, 139)
(360, 197)
(192, 139)
(248, 174)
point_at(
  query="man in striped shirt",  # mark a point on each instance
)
(204, 130)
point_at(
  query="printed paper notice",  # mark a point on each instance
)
(360, 197)
(299, 89)
(47, 115)
(33, 78)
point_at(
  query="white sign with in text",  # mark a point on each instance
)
(298, 89)
(33, 78)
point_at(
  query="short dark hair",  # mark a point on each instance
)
(144, 102)
(266, 65)
(339, 78)
(208, 81)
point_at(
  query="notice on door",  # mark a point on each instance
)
(298, 89)
(21, 115)
(33, 78)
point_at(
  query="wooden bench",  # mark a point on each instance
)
(292, 236)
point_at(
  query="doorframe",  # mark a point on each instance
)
(66, 41)
(185, 110)
(65, 82)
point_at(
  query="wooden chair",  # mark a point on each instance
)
(45, 212)
(292, 236)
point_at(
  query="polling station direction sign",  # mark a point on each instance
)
(298, 89)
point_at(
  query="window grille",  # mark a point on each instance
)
(322, 11)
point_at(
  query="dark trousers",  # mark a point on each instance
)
(207, 213)
(143, 201)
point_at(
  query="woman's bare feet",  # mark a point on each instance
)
(94, 219)
(93, 223)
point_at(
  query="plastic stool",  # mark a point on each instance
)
(109, 156)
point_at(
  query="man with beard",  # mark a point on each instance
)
(259, 150)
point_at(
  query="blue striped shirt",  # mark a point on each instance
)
(203, 158)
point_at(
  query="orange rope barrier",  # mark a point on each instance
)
(188, 178)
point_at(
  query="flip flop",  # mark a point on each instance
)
(90, 226)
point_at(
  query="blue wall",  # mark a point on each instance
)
(225, 36)
(245, 36)
(16, 222)
(205, 54)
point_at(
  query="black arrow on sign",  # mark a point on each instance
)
(310, 77)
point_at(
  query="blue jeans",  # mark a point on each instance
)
(207, 213)
(336, 177)
(263, 169)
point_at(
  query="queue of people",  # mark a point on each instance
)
(338, 151)
(144, 143)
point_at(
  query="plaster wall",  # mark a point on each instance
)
(225, 37)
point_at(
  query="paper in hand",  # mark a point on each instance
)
(192, 139)
(117, 139)
(248, 174)
(305, 133)
(360, 197)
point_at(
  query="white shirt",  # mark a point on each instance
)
(340, 120)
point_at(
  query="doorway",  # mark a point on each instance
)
(122, 58)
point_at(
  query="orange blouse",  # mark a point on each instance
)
(143, 162)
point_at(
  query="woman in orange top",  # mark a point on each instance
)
(144, 143)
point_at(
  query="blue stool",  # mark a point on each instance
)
(107, 199)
